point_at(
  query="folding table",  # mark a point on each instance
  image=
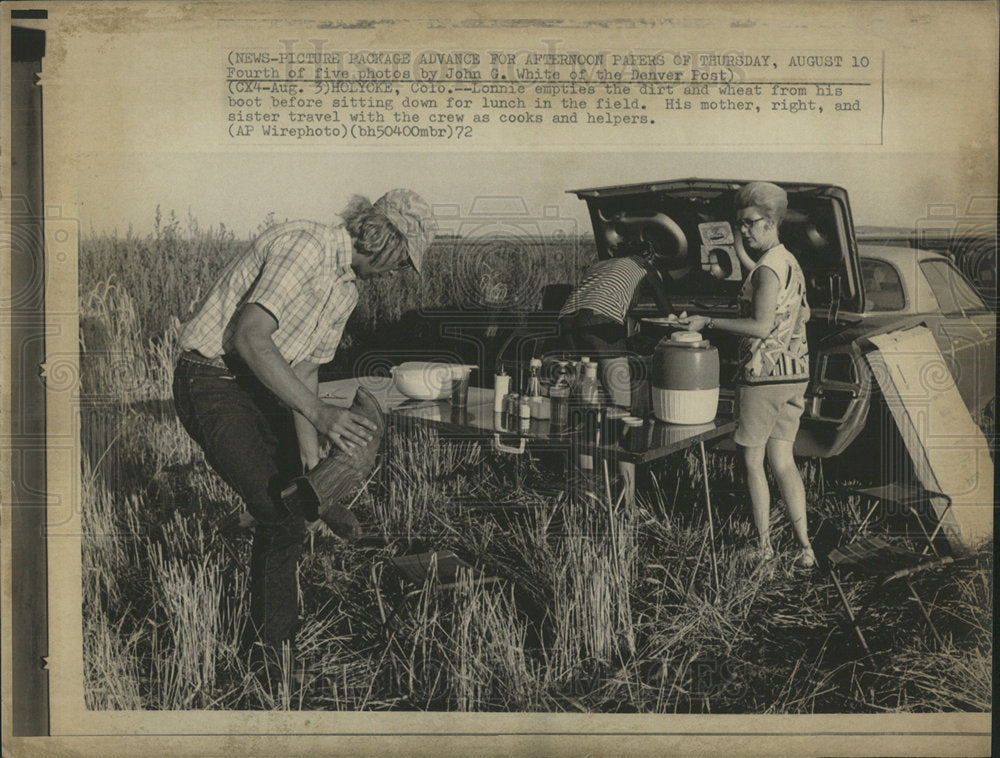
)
(477, 421)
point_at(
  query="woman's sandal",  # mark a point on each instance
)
(806, 559)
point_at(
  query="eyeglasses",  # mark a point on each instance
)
(748, 223)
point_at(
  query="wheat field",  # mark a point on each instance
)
(597, 607)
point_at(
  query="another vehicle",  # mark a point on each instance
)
(853, 293)
(926, 285)
(970, 241)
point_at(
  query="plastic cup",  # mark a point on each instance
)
(634, 440)
(611, 427)
(460, 391)
(559, 406)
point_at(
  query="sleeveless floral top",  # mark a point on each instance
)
(783, 355)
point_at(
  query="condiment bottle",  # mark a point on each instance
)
(539, 405)
(559, 398)
(590, 434)
(501, 386)
(590, 388)
(524, 414)
(512, 409)
(534, 388)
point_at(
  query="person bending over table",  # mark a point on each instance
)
(773, 360)
(592, 320)
(246, 385)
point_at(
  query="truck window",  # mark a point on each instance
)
(883, 288)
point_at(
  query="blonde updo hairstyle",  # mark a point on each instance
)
(770, 199)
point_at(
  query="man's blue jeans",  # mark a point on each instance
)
(249, 439)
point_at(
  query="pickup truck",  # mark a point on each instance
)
(853, 292)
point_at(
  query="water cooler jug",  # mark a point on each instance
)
(685, 379)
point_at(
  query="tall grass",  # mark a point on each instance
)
(490, 668)
(592, 576)
(188, 598)
(596, 606)
(168, 272)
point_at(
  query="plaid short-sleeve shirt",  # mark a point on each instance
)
(300, 272)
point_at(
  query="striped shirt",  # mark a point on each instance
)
(609, 288)
(783, 355)
(300, 272)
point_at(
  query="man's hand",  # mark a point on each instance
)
(295, 388)
(347, 430)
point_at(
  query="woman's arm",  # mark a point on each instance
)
(745, 260)
(760, 324)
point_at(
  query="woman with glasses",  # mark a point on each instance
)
(773, 360)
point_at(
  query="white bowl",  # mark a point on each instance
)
(425, 380)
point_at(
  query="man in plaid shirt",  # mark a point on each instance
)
(246, 385)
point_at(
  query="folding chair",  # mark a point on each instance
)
(874, 557)
(438, 570)
(907, 497)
